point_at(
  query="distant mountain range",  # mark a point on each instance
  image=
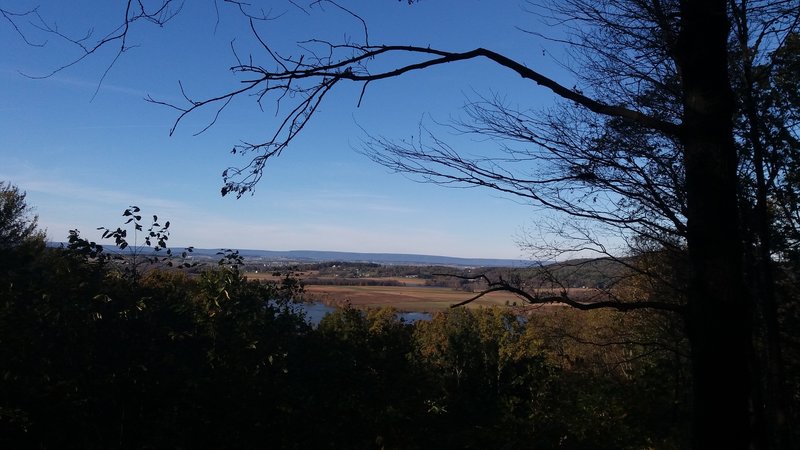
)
(312, 256)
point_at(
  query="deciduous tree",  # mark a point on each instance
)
(18, 224)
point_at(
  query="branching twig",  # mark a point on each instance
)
(501, 285)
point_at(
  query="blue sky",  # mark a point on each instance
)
(83, 159)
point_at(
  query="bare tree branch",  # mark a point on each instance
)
(501, 285)
(12, 17)
(135, 11)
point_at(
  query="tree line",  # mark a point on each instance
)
(93, 355)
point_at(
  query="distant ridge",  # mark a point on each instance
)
(312, 256)
(378, 258)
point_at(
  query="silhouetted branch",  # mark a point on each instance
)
(12, 17)
(135, 11)
(581, 180)
(501, 285)
(305, 79)
(310, 76)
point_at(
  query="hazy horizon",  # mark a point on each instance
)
(83, 158)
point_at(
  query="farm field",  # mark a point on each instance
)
(412, 295)
(404, 298)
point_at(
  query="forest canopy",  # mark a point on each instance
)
(95, 355)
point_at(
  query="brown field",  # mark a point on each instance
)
(414, 296)
(408, 281)
(404, 298)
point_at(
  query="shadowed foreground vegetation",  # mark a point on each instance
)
(93, 358)
(100, 352)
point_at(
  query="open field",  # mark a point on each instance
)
(404, 298)
(412, 296)
(311, 274)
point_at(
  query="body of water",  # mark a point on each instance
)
(316, 311)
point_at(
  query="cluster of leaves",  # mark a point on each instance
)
(151, 251)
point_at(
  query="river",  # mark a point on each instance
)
(316, 311)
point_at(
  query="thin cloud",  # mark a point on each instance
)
(354, 201)
(83, 84)
(49, 185)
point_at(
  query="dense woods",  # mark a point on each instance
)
(95, 356)
(90, 360)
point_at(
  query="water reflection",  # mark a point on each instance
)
(316, 311)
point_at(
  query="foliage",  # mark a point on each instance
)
(90, 359)
(20, 238)
(154, 241)
(18, 224)
(93, 360)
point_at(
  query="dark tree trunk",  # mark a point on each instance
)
(770, 425)
(718, 313)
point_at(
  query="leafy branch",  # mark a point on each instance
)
(155, 239)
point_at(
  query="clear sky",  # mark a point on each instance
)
(83, 159)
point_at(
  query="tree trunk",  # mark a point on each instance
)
(770, 424)
(718, 313)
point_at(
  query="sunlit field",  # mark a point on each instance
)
(413, 295)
